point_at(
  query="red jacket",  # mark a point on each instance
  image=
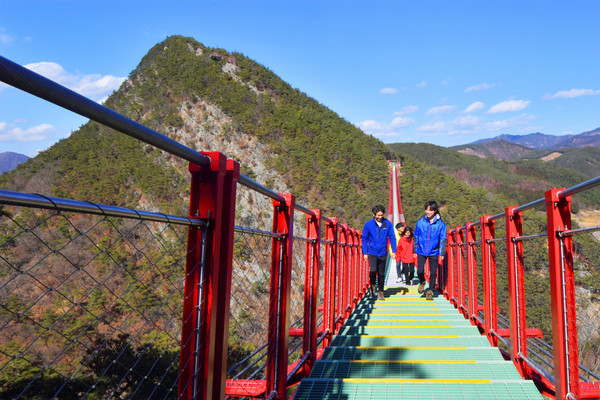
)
(405, 250)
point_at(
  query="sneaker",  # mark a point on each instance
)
(380, 296)
(421, 288)
(372, 290)
(429, 295)
(399, 280)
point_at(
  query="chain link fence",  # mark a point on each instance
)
(90, 306)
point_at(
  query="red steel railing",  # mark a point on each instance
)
(566, 381)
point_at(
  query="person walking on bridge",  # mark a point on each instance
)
(430, 245)
(376, 235)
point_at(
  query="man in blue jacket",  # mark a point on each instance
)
(430, 244)
(375, 236)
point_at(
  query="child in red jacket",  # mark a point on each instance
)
(400, 230)
(406, 255)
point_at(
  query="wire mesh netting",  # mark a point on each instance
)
(249, 305)
(297, 297)
(90, 306)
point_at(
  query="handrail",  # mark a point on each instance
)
(579, 188)
(55, 203)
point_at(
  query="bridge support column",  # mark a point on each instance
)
(311, 289)
(329, 310)
(516, 289)
(205, 333)
(460, 271)
(451, 255)
(471, 250)
(562, 292)
(281, 276)
(488, 258)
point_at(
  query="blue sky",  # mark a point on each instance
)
(442, 72)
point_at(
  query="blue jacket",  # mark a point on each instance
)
(375, 238)
(430, 238)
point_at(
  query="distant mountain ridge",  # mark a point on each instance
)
(10, 160)
(513, 147)
(533, 140)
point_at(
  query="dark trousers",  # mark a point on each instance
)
(408, 269)
(377, 270)
(433, 266)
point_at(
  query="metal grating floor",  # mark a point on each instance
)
(408, 348)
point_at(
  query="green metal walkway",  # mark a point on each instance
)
(408, 348)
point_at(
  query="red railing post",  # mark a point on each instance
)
(471, 249)
(311, 288)
(516, 289)
(451, 292)
(345, 288)
(281, 276)
(460, 272)
(488, 258)
(562, 292)
(205, 326)
(363, 274)
(329, 309)
(353, 268)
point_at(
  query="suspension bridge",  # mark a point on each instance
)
(151, 305)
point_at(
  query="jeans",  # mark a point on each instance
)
(408, 269)
(377, 270)
(433, 265)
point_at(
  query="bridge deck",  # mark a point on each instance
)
(408, 348)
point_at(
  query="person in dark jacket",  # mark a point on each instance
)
(430, 245)
(376, 235)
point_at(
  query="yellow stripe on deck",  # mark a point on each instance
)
(385, 380)
(408, 326)
(414, 361)
(408, 319)
(410, 347)
(411, 336)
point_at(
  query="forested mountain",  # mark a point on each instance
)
(213, 100)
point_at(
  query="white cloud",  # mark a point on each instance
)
(476, 106)
(569, 94)
(13, 133)
(452, 127)
(510, 123)
(508, 106)
(94, 86)
(440, 110)
(471, 125)
(407, 110)
(421, 84)
(388, 90)
(5, 38)
(384, 129)
(480, 86)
